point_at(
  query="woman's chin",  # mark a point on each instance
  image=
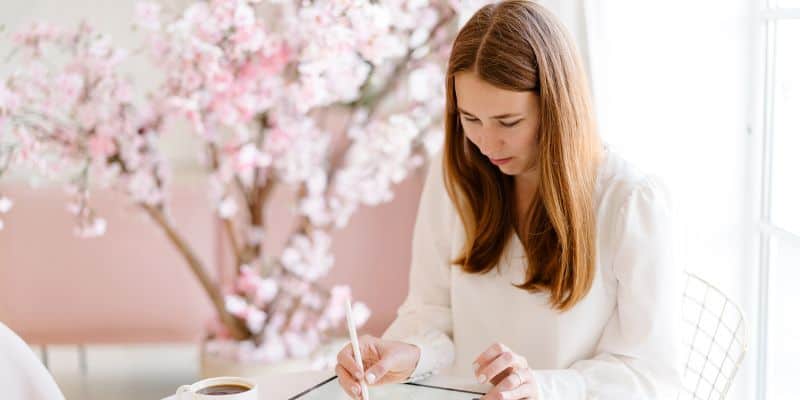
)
(507, 169)
(513, 169)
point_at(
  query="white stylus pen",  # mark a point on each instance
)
(351, 326)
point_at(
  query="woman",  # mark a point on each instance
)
(542, 261)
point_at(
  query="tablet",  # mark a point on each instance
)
(330, 390)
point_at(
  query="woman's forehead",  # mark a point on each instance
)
(480, 98)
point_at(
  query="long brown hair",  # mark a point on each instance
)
(519, 45)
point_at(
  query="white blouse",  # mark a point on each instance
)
(619, 342)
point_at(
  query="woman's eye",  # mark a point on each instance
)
(470, 119)
(509, 125)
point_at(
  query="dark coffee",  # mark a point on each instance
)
(228, 388)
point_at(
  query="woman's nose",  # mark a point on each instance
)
(488, 142)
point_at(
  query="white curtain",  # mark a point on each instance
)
(572, 14)
(672, 84)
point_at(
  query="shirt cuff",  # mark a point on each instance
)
(435, 353)
(559, 384)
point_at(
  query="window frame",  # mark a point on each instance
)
(768, 15)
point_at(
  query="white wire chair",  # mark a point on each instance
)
(714, 338)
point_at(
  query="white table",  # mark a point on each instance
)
(284, 386)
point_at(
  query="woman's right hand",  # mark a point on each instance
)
(385, 361)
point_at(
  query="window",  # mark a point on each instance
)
(779, 327)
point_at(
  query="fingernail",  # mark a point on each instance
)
(370, 378)
(355, 389)
(482, 378)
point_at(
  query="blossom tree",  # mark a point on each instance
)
(257, 83)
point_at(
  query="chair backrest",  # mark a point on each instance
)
(714, 338)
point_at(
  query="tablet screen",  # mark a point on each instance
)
(330, 390)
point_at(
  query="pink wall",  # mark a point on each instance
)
(128, 285)
(131, 286)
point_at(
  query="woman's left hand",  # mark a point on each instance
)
(507, 371)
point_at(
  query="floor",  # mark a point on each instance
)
(129, 372)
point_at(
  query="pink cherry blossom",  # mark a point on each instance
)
(361, 313)
(255, 319)
(227, 207)
(294, 101)
(274, 350)
(266, 291)
(309, 256)
(300, 344)
(101, 146)
(249, 157)
(147, 15)
(248, 280)
(236, 305)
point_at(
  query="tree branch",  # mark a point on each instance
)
(371, 102)
(235, 326)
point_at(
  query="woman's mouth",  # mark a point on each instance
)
(500, 161)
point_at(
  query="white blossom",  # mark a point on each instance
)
(309, 256)
(227, 207)
(5, 204)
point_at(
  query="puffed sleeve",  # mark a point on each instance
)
(637, 356)
(425, 318)
(22, 376)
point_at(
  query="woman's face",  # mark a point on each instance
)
(503, 124)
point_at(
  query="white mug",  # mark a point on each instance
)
(190, 392)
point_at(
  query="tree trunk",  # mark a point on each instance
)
(235, 326)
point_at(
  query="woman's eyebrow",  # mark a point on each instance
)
(501, 116)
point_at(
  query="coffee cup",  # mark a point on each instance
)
(219, 388)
